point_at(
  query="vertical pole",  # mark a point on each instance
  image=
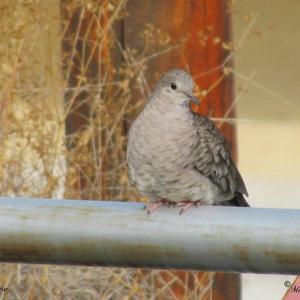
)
(206, 28)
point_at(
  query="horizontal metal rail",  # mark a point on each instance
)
(121, 234)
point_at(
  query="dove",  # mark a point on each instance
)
(177, 157)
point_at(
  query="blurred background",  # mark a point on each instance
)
(74, 74)
(268, 116)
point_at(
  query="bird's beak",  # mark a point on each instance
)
(194, 100)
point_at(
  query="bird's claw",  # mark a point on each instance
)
(186, 204)
(156, 204)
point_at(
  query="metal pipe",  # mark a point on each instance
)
(121, 234)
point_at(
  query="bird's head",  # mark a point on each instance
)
(176, 86)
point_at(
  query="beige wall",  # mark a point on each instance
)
(269, 116)
(272, 51)
(269, 109)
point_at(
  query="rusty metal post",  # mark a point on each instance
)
(205, 29)
(121, 234)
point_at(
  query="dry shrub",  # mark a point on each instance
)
(49, 83)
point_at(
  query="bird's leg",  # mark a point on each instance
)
(171, 203)
(186, 204)
(156, 204)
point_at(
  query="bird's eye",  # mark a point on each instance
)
(173, 86)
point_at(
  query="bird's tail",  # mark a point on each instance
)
(238, 200)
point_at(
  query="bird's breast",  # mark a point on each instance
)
(163, 142)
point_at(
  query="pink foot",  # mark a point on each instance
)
(186, 204)
(151, 207)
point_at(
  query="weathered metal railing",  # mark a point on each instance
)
(121, 234)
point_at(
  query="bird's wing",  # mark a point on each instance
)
(213, 159)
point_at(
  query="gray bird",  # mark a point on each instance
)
(177, 157)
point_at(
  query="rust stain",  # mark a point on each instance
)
(144, 251)
(23, 248)
(282, 258)
(21, 252)
(122, 251)
(241, 252)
